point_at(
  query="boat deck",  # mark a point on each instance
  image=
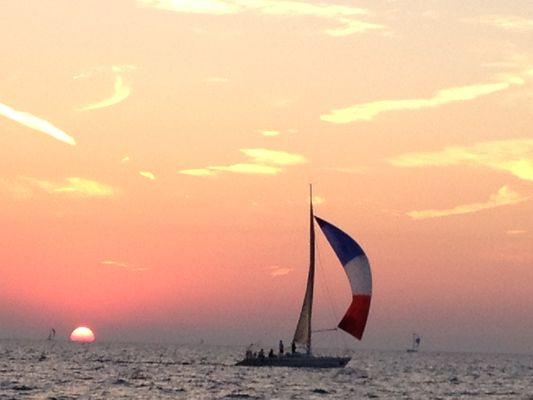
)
(295, 361)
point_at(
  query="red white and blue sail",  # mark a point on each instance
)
(357, 267)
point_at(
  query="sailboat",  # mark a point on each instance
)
(357, 268)
(415, 345)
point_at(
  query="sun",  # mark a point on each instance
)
(82, 334)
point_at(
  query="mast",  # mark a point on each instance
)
(302, 335)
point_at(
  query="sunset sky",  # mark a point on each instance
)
(156, 156)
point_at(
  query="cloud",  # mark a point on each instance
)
(74, 186)
(269, 132)
(263, 162)
(121, 92)
(514, 156)
(33, 122)
(261, 155)
(347, 18)
(276, 271)
(274, 132)
(147, 174)
(121, 89)
(504, 197)
(516, 232)
(509, 23)
(318, 200)
(122, 264)
(245, 168)
(368, 111)
(198, 172)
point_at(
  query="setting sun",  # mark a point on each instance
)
(82, 334)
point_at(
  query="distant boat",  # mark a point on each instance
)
(51, 336)
(357, 268)
(415, 345)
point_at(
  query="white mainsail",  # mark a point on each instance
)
(302, 335)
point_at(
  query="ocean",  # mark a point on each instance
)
(63, 371)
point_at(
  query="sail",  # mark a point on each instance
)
(357, 267)
(302, 335)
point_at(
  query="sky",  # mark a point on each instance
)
(156, 154)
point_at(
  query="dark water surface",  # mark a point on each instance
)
(62, 371)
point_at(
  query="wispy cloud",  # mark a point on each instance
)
(124, 265)
(504, 197)
(121, 89)
(245, 168)
(269, 132)
(33, 122)
(348, 19)
(368, 111)
(318, 200)
(198, 172)
(276, 271)
(147, 175)
(74, 186)
(516, 231)
(511, 23)
(263, 162)
(514, 156)
(275, 132)
(261, 155)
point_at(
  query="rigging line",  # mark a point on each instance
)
(328, 292)
(326, 286)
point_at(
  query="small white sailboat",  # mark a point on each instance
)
(357, 268)
(415, 344)
(50, 338)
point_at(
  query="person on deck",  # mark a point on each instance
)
(293, 347)
(261, 354)
(271, 353)
(281, 348)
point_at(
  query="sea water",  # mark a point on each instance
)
(62, 371)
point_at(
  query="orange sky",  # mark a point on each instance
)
(155, 158)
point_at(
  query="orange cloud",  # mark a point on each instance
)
(263, 162)
(147, 175)
(33, 122)
(369, 111)
(504, 197)
(516, 231)
(276, 271)
(124, 265)
(120, 93)
(348, 18)
(269, 132)
(514, 156)
(511, 23)
(244, 168)
(74, 186)
(261, 155)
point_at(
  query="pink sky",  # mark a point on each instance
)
(155, 160)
